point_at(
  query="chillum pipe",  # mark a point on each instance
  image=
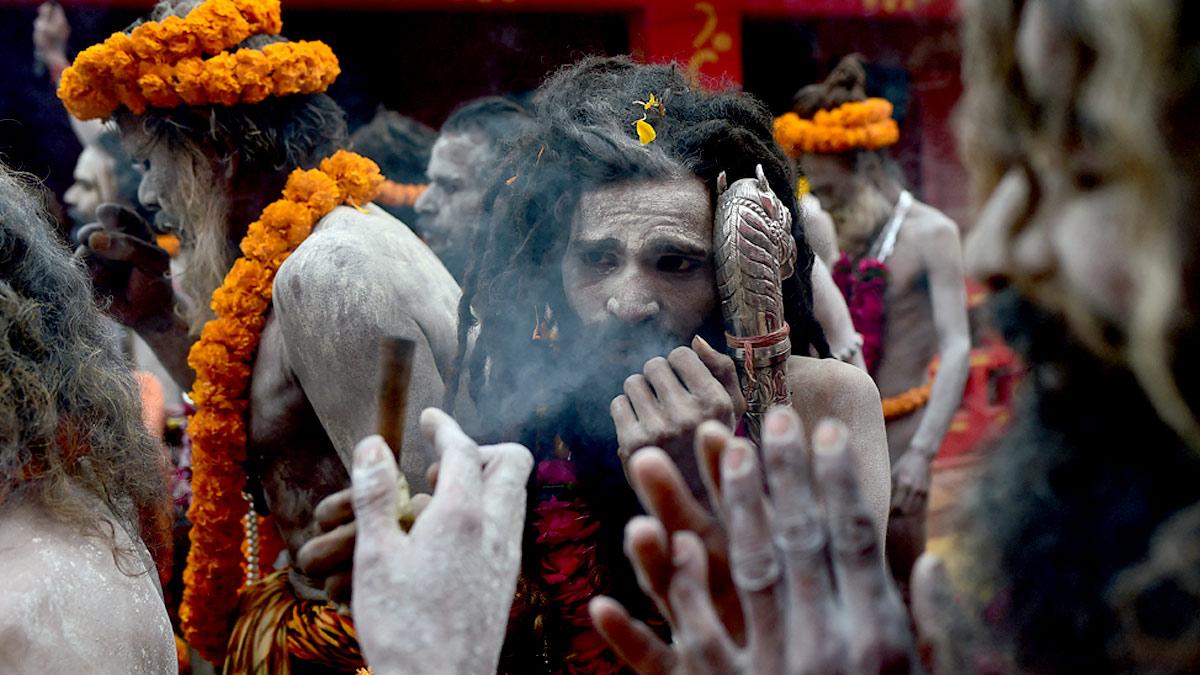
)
(395, 373)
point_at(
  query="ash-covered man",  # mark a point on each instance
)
(901, 273)
(81, 482)
(285, 374)
(470, 145)
(600, 321)
(600, 331)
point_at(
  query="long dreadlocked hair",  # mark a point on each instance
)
(70, 416)
(583, 137)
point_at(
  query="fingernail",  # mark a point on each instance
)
(736, 461)
(681, 554)
(830, 437)
(703, 342)
(371, 453)
(779, 423)
(99, 241)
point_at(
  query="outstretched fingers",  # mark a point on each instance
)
(460, 468)
(631, 639)
(700, 636)
(375, 479)
(648, 547)
(882, 641)
(801, 537)
(753, 559)
(505, 476)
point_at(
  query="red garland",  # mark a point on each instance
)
(566, 533)
(864, 285)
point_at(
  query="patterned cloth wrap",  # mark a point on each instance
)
(275, 629)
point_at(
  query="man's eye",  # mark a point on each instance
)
(678, 264)
(598, 259)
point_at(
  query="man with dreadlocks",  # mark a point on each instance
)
(600, 327)
(470, 144)
(901, 273)
(82, 487)
(276, 323)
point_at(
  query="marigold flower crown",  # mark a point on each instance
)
(162, 64)
(857, 125)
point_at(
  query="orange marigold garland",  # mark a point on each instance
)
(399, 195)
(861, 125)
(222, 360)
(162, 65)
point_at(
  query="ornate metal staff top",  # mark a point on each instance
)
(755, 252)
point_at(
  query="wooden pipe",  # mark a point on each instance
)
(395, 373)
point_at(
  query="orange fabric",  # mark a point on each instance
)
(274, 627)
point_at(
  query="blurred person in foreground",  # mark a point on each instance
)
(470, 146)
(901, 273)
(289, 280)
(82, 487)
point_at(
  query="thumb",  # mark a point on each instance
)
(125, 220)
(936, 613)
(375, 496)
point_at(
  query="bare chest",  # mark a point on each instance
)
(910, 336)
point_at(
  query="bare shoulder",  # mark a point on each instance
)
(366, 269)
(363, 248)
(830, 385)
(59, 582)
(931, 225)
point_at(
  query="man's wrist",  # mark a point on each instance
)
(925, 452)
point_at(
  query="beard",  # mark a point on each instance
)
(1070, 498)
(859, 216)
(201, 220)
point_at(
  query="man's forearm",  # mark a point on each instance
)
(944, 399)
(171, 343)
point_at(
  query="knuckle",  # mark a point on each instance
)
(656, 364)
(633, 381)
(679, 356)
(854, 536)
(463, 520)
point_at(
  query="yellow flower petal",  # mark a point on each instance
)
(645, 132)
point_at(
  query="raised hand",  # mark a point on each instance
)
(129, 271)
(910, 483)
(813, 589)
(50, 34)
(436, 599)
(664, 404)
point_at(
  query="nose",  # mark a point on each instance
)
(71, 196)
(631, 304)
(148, 191)
(426, 204)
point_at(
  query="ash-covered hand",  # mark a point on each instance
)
(911, 478)
(664, 404)
(50, 34)
(813, 589)
(129, 271)
(436, 599)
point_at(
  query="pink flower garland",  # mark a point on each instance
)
(864, 285)
(567, 533)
